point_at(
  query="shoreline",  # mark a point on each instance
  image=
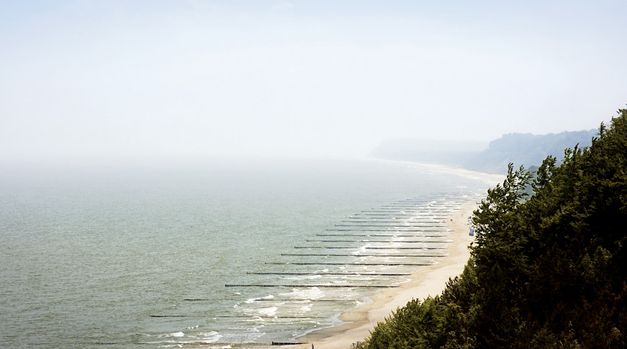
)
(427, 281)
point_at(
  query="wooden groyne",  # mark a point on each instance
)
(388, 230)
(390, 226)
(327, 273)
(352, 264)
(311, 285)
(415, 235)
(384, 241)
(360, 255)
(367, 248)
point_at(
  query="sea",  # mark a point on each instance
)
(228, 253)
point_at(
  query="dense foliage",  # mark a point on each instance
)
(547, 269)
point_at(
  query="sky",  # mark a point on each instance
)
(87, 80)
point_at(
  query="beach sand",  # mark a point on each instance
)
(427, 281)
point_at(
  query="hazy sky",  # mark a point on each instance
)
(160, 79)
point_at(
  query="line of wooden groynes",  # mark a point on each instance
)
(351, 264)
(311, 285)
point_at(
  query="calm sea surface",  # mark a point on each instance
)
(142, 256)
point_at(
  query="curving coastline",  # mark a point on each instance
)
(428, 281)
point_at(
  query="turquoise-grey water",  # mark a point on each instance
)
(140, 256)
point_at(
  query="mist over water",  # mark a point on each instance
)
(130, 80)
(115, 232)
(141, 256)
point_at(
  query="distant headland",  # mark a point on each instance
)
(519, 148)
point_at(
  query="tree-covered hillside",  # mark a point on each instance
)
(548, 270)
(526, 149)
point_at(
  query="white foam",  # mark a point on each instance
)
(210, 337)
(198, 338)
(257, 329)
(173, 334)
(270, 311)
(309, 293)
(252, 300)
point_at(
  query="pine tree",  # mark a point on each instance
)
(547, 269)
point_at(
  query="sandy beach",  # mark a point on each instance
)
(427, 281)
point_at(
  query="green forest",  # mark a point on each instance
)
(547, 268)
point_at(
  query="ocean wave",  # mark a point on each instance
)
(209, 337)
(312, 293)
(253, 300)
(173, 334)
(270, 311)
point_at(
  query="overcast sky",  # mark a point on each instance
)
(162, 79)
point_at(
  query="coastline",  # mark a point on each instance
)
(427, 281)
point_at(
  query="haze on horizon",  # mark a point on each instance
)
(94, 80)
